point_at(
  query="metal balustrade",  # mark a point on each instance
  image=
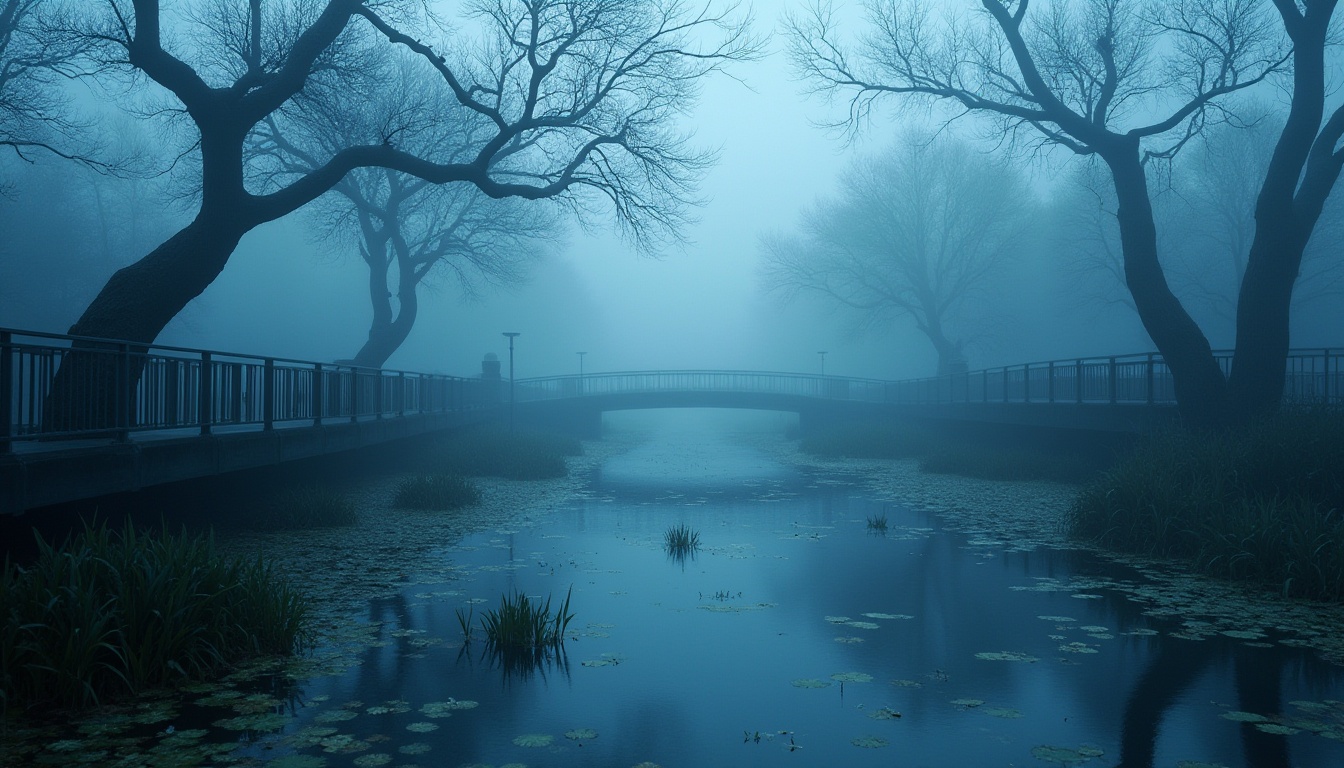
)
(113, 389)
(1141, 379)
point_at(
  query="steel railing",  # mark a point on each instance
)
(1139, 379)
(115, 388)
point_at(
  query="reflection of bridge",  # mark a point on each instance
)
(158, 414)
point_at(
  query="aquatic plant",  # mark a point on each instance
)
(311, 506)
(498, 453)
(1263, 504)
(522, 623)
(112, 613)
(436, 492)
(878, 523)
(681, 541)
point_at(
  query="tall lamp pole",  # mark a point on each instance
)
(580, 354)
(823, 363)
(512, 335)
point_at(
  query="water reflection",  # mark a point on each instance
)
(793, 622)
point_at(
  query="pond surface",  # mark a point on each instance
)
(797, 635)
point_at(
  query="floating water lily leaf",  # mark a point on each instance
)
(837, 619)
(809, 682)
(1064, 755)
(849, 640)
(870, 742)
(446, 708)
(1003, 712)
(1142, 632)
(534, 740)
(1005, 656)
(1077, 648)
(422, 727)
(266, 722)
(607, 660)
(886, 713)
(335, 716)
(414, 748)
(1243, 634)
(1245, 717)
(907, 683)
(862, 624)
(1275, 728)
(343, 743)
(581, 734)
(1057, 619)
(967, 703)
(372, 761)
(852, 677)
(888, 616)
(1085, 596)
(298, 761)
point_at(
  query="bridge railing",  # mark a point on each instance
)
(1141, 379)
(114, 388)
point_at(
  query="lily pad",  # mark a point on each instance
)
(414, 748)
(266, 722)
(1064, 755)
(888, 616)
(1275, 728)
(862, 624)
(298, 761)
(535, 740)
(886, 713)
(422, 727)
(809, 682)
(1003, 712)
(372, 760)
(1006, 656)
(581, 734)
(1245, 717)
(335, 716)
(852, 677)
(446, 708)
(870, 742)
(967, 703)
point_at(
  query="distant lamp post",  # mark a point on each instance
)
(512, 335)
(823, 363)
(580, 354)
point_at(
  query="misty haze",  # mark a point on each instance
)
(671, 383)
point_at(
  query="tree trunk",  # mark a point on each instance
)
(93, 385)
(386, 333)
(1255, 387)
(1201, 388)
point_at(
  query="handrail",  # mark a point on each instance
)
(115, 388)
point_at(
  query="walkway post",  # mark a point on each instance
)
(512, 335)
(268, 394)
(205, 394)
(580, 354)
(7, 390)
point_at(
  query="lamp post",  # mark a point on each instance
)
(512, 335)
(823, 363)
(580, 354)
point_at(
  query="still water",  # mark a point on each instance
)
(799, 636)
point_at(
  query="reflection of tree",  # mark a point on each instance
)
(1260, 690)
(1176, 665)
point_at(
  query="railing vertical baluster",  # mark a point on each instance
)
(268, 394)
(1150, 379)
(318, 387)
(125, 397)
(401, 393)
(1325, 393)
(354, 394)
(1112, 384)
(205, 406)
(7, 391)
(235, 371)
(1078, 381)
(1050, 382)
(1026, 383)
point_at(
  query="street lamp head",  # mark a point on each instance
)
(512, 334)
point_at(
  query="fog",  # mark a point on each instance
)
(701, 303)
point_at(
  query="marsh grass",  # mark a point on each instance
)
(681, 541)
(440, 492)
(312, 506)
(108, 614)
(521, 623)
(878, 523)
(497, 453)
(1260, 504)
(955, 454)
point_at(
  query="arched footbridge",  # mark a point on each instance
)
(88, 417)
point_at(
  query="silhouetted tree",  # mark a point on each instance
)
(577, 98)
(919, 230)
(406, 230)
(1090, 76)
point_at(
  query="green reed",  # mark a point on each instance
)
(436, 492)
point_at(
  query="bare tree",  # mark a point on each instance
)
(576, 97)
(36, 54)
(1089, 76)
(405, 229)
(917, 231)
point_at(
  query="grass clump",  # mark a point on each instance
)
(521, 623)
(878, 523)
(499, 453)
(1260, 504)
(109, 614)
(436, 492)
(681, 538)
(313, 506)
